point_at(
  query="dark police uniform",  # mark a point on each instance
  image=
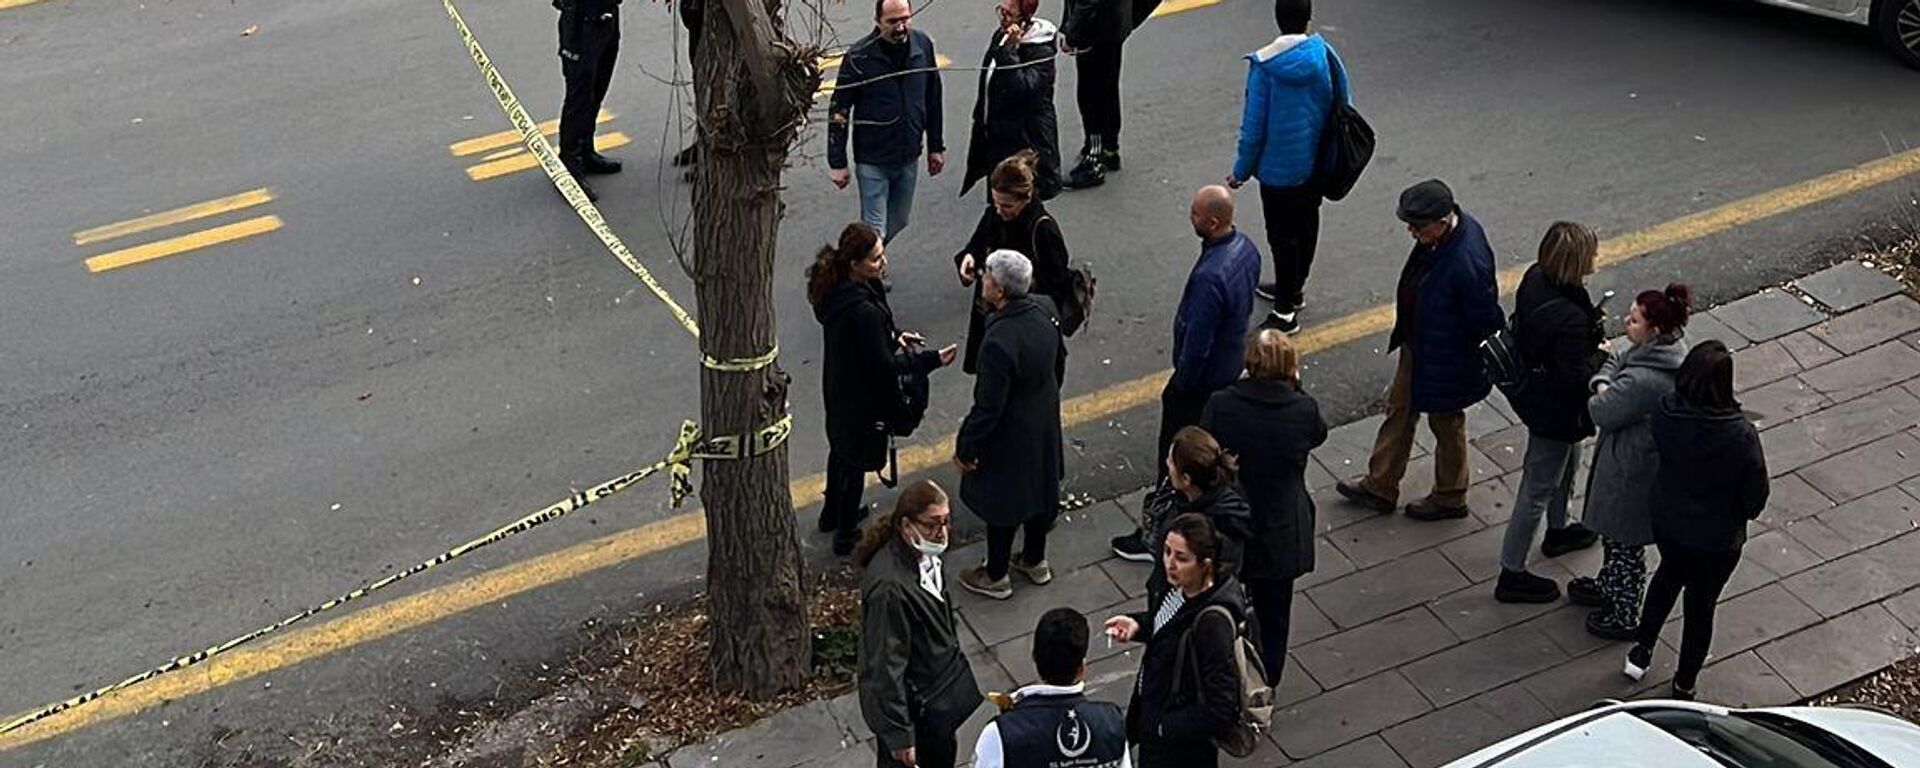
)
(1062, 731)
(589, 42)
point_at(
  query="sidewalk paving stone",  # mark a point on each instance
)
(997, 621)
(1839, 651)
(1566, 626)
(1769, 314)
(1345, 714)
(1882, 322)
(1706, 326)
(1491, 501)
(1816, 535)
(793, 737)
(1576, 685)
(1458, 730)
(1846, 425)
(1363, 596)
(1863, 577)
(1507, 447)
(1370, 752)
(1808, 350)
(1781, 553)
(1848, 285)
(1762, 364)
(1376, 540)
(1905, 607)
(1874, 518)
(1782, 401)
(1308, 623)
(1855, 375)
(1464, 671)
(1111, 679)
(1328, 564)
(1081, 538)
(1792, 498)
(1744, 680)
(1472, 612)
(1296, 685)
(1374, 647)
(1750, 620)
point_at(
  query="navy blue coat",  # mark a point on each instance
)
(1455, 304)
(1210, 326)
(887, 116)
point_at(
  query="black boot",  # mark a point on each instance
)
(848, 534)
(688, 156)
(1089, 172)
(577, 166)
(594, 162)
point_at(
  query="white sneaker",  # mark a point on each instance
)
(1639, 658)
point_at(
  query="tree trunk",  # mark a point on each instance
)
(751, 91)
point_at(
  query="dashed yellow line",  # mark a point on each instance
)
(493, 586)
(228, 204)
(511, 138)
(138, 254)
(517, 162)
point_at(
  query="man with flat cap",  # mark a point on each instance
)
(1447, 303)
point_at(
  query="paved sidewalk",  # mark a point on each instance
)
(1400, 655)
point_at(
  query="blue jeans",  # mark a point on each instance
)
(1546, 480)
(886, 195)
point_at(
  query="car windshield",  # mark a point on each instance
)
(1739, 742)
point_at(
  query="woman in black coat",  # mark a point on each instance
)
(1712, 480)
(1009, 450)
(1014, 222)
(864, 356)
(1176, 713)
(1202, 478)
(1558, 331)
(1271, 425)
(1014, 108)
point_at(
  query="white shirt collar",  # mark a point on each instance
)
(1042, 689)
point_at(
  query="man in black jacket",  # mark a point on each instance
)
(1008, 449)
(888, 95)
(589, 43)
(1095, 31)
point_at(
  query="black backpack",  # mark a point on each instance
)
(1346, 142)
(1079, 304)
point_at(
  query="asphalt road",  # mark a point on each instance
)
(204, 443)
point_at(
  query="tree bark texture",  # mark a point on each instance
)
(751, 91)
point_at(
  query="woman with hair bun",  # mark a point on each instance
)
(1015, 221)
(1625, 394)
(1205, 480)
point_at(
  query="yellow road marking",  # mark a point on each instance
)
(516, 163)
(176, 245)
(1171, 7)
(489, 587)
(5, 4)
(510, 138)
(939, 60)
(831, 61)
(229, 204)
(505, 153)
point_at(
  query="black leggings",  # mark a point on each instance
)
(1293, 233)
(845, 483)
(1701, 573)
(1098, 93)
(1273, 611)
(1000, 545)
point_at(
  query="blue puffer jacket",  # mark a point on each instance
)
(1210, 327)
(1455, 306)
(1289, 90)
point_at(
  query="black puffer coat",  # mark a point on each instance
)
(1558, 330)
(860, 369)
(1712, 478)
(1167, 722)
(1232, 519)
(1014, 108)
(1091, 23)
(1271, 426)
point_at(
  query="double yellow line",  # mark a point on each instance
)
(160, 249)
(502, 583)
(506, 155)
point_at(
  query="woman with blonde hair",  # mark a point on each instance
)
(1271, 425)
(1557, 328)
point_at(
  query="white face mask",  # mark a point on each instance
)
(926, 546)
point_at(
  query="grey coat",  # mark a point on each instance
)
(1620, 488)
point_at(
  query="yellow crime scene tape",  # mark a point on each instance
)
(690, 446)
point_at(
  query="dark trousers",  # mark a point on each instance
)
(587, 52)
(1000, 545)
(1273, 610)
(935, 748)
(1293, 231)
(1155, 753)
(1701, 574)
(845, 483)
(1178, 409)
(1098, 93)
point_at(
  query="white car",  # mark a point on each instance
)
(1685, 734)
(1896, 21)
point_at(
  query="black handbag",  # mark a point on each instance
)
(1346, 142)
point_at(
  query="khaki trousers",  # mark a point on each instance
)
(1394, 444)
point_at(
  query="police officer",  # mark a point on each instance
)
(589, 42)
(1053, 724)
